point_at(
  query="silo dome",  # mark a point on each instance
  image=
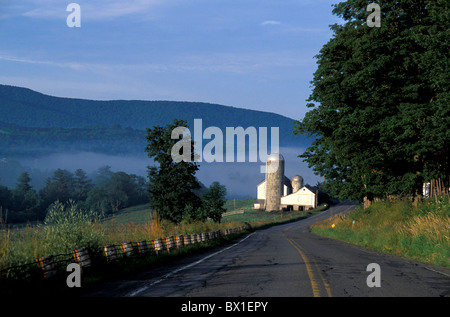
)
(297, 183)
(275, 157)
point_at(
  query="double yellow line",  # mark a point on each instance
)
(310, 271)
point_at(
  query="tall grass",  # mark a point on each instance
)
(67, 228)
(419, 232)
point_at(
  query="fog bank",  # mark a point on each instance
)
(239, 178)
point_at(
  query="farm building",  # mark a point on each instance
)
(278, 192)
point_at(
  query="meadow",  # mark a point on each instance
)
(420, 232)
(69, 228)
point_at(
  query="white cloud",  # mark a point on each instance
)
(40, 62)
(237, 63)
(114, 9)
(271, 22)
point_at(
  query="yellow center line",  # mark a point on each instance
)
(314, 285)
(325, 283)
(312, 278)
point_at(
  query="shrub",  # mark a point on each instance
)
(67, 228)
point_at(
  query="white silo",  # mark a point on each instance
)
(274, 181)
(297, 183)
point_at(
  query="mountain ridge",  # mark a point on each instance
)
(25, 97)
(27, 117)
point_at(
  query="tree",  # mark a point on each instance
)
(26, 202)
(138, 190)
(103, 175)
(82, 185)
(213, 201)
(5, 201)
(23, 183)
(58, 187)
(380, 123)
(97, 200)
(118, 188)
(171, 184)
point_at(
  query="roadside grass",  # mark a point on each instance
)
(23, 245)
(419, 232)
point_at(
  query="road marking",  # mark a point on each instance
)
(146, 287)
(312, 278)
(324, 281)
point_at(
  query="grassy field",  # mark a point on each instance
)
(399, 228)
(416, 232)
(25, 244)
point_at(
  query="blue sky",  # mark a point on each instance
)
(254, 54)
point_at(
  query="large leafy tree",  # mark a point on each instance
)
(379, 105)
(172, 182)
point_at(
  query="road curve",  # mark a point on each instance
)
(286, 261)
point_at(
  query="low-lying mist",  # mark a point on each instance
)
(239, 178)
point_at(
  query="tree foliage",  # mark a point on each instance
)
(171, 184)
(213, 201)
(109, 193)
(379, 105)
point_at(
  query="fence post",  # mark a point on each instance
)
(110, 252)
(157, 245)
(187, 240)
(169, 243)
(82, 257)
(127, 248)
(47, 265)
(179, 241)
(142, 247)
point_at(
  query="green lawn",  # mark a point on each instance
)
(137, 214)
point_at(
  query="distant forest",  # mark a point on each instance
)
(105, 195)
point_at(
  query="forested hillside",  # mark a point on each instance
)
(17, 141)
(32, 123)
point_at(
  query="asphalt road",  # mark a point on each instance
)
(286, 261)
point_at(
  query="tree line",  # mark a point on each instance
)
(379, 109)
(109, 192)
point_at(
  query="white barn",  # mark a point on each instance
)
(295, 195)
(303, 199)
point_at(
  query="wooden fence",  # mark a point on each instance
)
(49, 265)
